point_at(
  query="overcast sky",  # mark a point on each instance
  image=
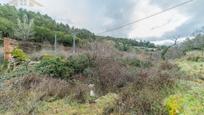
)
(102, 15)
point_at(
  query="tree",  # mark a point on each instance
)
(24, 28)
(195, 44)
(166, 49)
(6, 25)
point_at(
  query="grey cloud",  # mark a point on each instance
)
(194, 10)
(119, 12)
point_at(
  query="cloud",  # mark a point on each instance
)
(193, 10)
(156, 26)
(171, 41)
(102, 15)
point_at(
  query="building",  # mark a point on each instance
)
(30, 3)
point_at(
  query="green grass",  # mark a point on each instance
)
(188, 100)
(193, 69)
(189, 95)
(66, 107)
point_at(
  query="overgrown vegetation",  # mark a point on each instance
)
(129, 84)
(106, 76)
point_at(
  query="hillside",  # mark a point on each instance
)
(45, 28)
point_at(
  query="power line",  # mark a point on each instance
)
(150, 16)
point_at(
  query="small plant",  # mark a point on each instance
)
(174, 104)
(20, 55)
(3, 66)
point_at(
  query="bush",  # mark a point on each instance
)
(18, 71)
(79, 63)
(142, 102)
(137, 63)
(59, 67)
(122, 46)
(174, 104)
(165, 65)
(196, 58)
(20, 55)
(55, 67)
(110, 76)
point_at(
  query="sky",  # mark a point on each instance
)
(101, 15)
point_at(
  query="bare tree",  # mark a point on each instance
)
(165, 50)
(24, 28)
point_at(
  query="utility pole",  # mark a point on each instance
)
(55, 44)
(74, 43)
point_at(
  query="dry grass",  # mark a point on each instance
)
(148, 90)
(23, 95)
(111, 75)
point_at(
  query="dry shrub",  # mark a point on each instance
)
(30, 82)
(54, 87)
(29, 47)
(14, 100)
(164, 79)
(165, 65)
(146, 93)
(45, 85)
(111, 75)
(50, 87)
(59, 52)
(80, 93)
(22, 95)
(142, 102)
(107, 74)
(103, 49)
